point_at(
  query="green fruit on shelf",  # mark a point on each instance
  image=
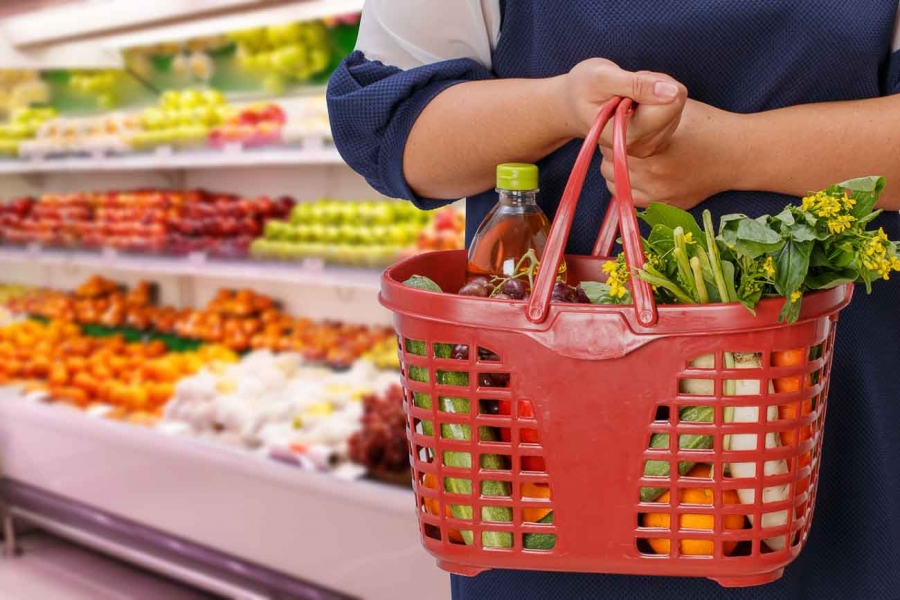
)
(152, 118)
(213, 98)
(303, 233)
(170, 99)
(384, 214)
(190, 99)
(191, 134)
(261, 248)
(331, 234)
(279, 35)
(276, 230)
(317, 232)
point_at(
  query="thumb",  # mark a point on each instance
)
(644, 87)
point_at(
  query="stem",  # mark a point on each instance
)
(681, 259)
(714, 258)
(654, 277)
(698, 281)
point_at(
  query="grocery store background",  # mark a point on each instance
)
(198, 387)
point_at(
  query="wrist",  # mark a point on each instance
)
(561, 119)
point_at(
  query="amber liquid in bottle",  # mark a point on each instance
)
(515, 225)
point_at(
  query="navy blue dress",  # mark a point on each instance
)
(742, 56)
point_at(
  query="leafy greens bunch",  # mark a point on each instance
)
(821, 244)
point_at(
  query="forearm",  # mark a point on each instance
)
(468, 129)
(801, 148)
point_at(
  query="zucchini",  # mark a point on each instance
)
(660, 468)
(540, 541)
(463, 460)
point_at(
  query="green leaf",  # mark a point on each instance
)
(728, 272)
(790, 312)
(786, 216)
(791, 266)
(755, 239)
(862, 222)
(841, 255)
(801, 232)
(661, 239)
(663, 214)
(831, 279)
(598, 293)
(871, 184)
(819, 258)
(420, 282)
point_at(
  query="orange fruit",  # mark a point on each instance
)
(432, 506)
(535, 490)
(701, 522)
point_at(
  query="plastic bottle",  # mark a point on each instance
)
(515, 225)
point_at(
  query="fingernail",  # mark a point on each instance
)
(665, 90)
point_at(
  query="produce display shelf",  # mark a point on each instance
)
(315, 152)
(357, 538)
(196, 265)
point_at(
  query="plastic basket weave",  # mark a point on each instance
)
(577, 391)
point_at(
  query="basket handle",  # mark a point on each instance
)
(619, 213)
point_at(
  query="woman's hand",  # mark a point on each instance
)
(589, 84)
(700, 159)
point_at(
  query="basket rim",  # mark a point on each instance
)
(674, 319)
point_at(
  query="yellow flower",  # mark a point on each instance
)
(769, 266)
(840, 223)
(617, 278)
(848, 202)
(795, 296)
(825, 205)
(689, 237)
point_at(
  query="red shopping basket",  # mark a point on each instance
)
(519, 408)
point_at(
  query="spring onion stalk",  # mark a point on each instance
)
(748, 441)
(715, 259)
(702, 293)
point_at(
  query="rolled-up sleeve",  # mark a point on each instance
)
(372, 108)
(408, 52)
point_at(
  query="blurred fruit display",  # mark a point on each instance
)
(131, 380)
(169, 221)
(86, 135)
(255, 125)
(381, 443)
(370, 234)
(181, 118)
(19, 89)
(23, 125)
(279, 402)
(239, 320)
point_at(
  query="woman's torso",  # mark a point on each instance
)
(744, 57)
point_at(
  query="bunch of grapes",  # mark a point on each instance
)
(381, 443)
(515, 289)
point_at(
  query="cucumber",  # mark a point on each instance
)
(540, 541)
(463, 460)
(660, 468)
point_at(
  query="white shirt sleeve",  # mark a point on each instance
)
(412, 33)
(895, 45)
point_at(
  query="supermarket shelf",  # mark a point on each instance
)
(242, 505)
(197, 265)
(124, 24)
(165, 158)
